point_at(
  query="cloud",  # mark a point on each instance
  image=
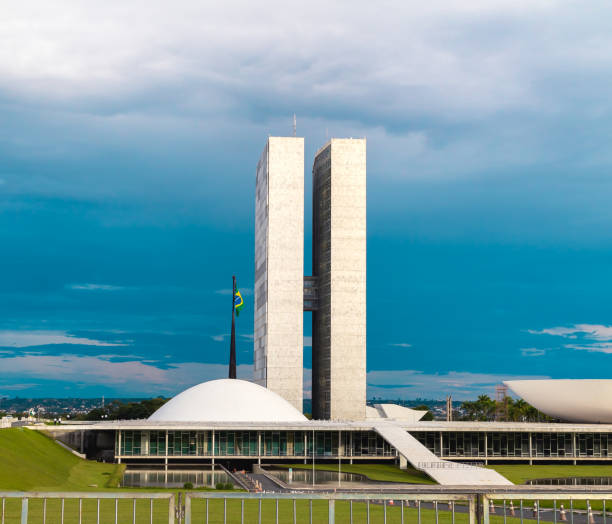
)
(132, 376)
(591, 331)
(598, 347)
(417, 384)
(533, 352)
(245, 291)
(94, 287)
(594, 338)
(308, 342)
(401, 345)
(22, 339)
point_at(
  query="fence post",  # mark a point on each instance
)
(485, 509)
(24, 511)
(331, 519)
(171, 504)
(472, 509)
(187, 508)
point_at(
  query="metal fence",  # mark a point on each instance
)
(511, 506)
(127, 507)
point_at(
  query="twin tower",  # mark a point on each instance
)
(336, 291)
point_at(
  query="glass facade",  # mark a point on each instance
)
(473, 444)
(245, 443)
(299, 444)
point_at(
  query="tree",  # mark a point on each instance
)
(117, 410)
(428, 415)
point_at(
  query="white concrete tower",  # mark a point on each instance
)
(279, 268)
(339, 267)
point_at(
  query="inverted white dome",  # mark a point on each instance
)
(227, 400)
(572, 400)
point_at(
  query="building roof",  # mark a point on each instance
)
(395, 412)
(573, 400)
(227, 400)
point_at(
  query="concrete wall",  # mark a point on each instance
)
(279, 268)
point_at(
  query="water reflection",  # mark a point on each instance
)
(155, 478)
(304, 476)
(572, 481)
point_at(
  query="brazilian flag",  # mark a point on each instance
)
(238, 302)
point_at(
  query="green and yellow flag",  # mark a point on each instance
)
(238, 302)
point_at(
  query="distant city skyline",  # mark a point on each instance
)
(128, 142)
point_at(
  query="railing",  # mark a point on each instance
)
(68, 507)
(319, 507)
(439, 506)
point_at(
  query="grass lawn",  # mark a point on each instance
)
(32, 461)
(377, 472)
(519, 473)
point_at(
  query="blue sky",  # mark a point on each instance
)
(129, 139)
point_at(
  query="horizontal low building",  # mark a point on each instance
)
(234, 421)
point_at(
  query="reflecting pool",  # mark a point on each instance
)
(304, 476)
(173, 478)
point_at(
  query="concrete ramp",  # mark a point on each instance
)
(444, 472)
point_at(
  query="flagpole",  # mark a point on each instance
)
(232, 362)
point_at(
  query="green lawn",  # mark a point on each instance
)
(519, 473)
(32, 461)
(377, 472)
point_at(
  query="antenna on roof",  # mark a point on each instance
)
(294, 124)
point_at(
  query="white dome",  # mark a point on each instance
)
(572, 400)
(227, 400)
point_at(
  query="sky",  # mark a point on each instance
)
(129, 136)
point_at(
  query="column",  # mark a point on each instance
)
(259, 448)
(119, 450)
(530, 450)
(166, 458)
(486, 448)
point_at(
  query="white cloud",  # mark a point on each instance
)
(414, 384)
(130, 376)
(401, 345)
(533, 352)
(244, 291)
(94, 287)
(595, 338)
(22, 339)
(597, 347)
(308, 341)
(590, 331)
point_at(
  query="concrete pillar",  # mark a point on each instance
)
(213, 450)
(119, 447)
(486, 448)
(403, 463)
(530, 450)
(259, 448)
(441, 445)
(574, 450)
(166, 457)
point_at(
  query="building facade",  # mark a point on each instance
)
(279, 268)
(339, 266)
